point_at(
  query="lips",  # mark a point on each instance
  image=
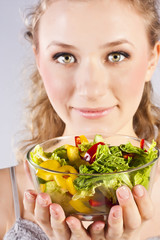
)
(93, 113)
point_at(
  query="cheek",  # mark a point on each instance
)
(56, 84)
(133, 80)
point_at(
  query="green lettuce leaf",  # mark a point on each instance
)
(105, 162)
(98, 138)
(85, 146)
(51, 187)
(107, 184)
(109, 160)
(61, 152)
(38, 155)
(142, 177)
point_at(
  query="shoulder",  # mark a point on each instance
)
(6, 206)
(6, 187)
(6, 200)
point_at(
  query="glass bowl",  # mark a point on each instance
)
(96, 192)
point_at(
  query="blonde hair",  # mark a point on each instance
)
(45, 123)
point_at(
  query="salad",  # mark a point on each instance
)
(86, 175)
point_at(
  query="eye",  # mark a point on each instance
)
(115, 57)
(64, 58)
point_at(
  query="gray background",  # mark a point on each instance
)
(14, 51)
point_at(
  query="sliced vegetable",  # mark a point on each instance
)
(142, 143)
(127, 155)
(88, 190)
(79, 206)
(60, 181)
(97, 203)
(98, 138)
(80, 140)
(68, 169)
(77, 140)
(42, 187)
(91, 153)
(51, 165)
(65, 181)
(83, 139)
(73, 153)
(70, 187)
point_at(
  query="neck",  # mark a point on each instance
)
(126, 130)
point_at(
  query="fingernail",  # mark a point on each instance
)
(30, 197)
(70, 223)
(123, 192)
(100, 226)
(53, 212)
(42, 200)
(138, 191)
(117, 214)
(74, 223)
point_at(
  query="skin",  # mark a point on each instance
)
(61, 231)
(91, 78)
(91, 81)
(88, 76)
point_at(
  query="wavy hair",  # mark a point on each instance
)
(43, 121)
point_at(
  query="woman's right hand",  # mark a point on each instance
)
(51, 218)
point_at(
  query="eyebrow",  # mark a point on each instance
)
(60, 44)
(109, 44)
(116, 43)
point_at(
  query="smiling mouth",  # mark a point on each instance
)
(94, 113)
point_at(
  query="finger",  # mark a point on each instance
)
(131, 215)
(29, 201)
(77, 230)
(58, 223)
(42, 214)
(96, 230)
(115, 223)
(143, 201)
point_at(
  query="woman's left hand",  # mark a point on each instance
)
(126, 219)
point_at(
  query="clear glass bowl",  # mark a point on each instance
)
(94, 206)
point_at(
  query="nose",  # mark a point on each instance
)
(92, 79)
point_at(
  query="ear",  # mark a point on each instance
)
(36, 55)
(154, 57)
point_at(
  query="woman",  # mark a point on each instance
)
(95, 60)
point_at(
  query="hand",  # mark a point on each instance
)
(125, 220)
(51, 218)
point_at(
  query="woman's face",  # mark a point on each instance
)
(94, 58)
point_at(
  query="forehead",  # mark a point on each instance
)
(73, 20)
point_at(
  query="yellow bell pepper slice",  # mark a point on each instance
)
(49, 164)
(83, 138)
(61, 179)
(70, 187)
(66, 146)
(68, 169)
(42, 187)
(79, 206)
(73, 153)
